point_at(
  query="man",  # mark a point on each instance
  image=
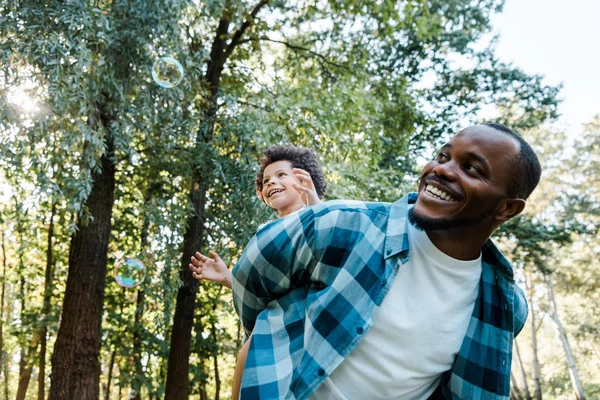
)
(411, 300)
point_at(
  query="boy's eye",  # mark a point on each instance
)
(282, 174)
(265, 180)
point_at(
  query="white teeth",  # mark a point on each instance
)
(437, 193)
(272, 192)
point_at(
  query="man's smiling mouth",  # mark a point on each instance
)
(438, 194)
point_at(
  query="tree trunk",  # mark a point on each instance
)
(515, 393)
(46, 306)
(178, 367)
(562, 335)
(213, 332)
(536, 363)
(137, 346)
(181, 334)
(3, 358)
(75, 362)
(523, 374)
(111, 366)
(139, 310)
(24, 370)
(24, 375)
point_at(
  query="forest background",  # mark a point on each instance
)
(98, 163)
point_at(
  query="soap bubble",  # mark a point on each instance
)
(167, 72)
(129, 272)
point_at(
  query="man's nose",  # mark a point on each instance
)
(446, 170)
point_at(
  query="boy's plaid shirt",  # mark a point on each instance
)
(309, 285)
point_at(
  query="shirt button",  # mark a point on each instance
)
(321, 372)
(504, 362)
(360, 330)
(388, 251)
(384, 282)
(506, 306)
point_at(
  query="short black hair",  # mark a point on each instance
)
(299, 157)
(526, 169)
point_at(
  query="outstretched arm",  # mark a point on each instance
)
(212, 268)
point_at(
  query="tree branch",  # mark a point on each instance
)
(305, 49)
(240, 32)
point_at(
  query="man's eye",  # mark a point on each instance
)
(471, 168)
(442, 157)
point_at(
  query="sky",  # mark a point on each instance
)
(558, 39)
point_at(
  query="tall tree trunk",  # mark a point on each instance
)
(139, 309)
(26, 351)
(3, 358)
(137, 346)
(515, 393)
(46, 306)
(26, 366)
(181, 334)
(213, 332)
(178, 368)
(75, 362)
(536, 362)
(523, 374)
(562, 335)
(6, 379)
(111, 366)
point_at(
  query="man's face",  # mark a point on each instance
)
(466, 182)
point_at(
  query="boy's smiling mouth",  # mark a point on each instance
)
(274, 191)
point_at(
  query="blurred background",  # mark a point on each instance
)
(130, 134)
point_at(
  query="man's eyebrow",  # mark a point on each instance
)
(472, 155)
(479, 158)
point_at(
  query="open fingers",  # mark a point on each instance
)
(301, 189)
(214, 255)
(196, 271)
(302, 175)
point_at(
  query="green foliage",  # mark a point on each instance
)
(372, 86)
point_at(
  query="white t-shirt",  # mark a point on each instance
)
(416, 333)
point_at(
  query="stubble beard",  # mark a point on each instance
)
(424, 223)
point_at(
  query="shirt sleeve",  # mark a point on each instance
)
(521, 310)
(278, 259)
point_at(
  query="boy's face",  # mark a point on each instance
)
(278, 191)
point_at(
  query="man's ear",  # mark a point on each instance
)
(511, 207)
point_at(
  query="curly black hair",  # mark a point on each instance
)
(299, 157)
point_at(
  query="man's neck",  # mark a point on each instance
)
(460, 246)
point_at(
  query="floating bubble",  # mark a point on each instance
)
(129, 272)
(167, 72)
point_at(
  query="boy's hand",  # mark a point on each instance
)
(308, 193)
(212, 268)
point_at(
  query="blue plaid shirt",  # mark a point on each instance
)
(309, 285)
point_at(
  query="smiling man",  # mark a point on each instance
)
(410, 300)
